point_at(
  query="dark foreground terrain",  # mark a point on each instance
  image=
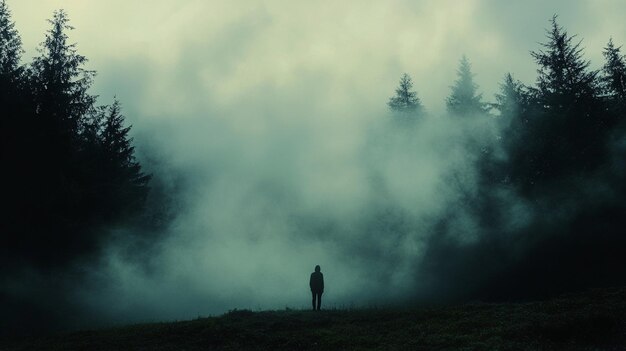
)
(594, 320)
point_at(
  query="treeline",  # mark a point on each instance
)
(560, 155)
(68, 164)
(70, 172)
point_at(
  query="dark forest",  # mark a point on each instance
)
(530, 198)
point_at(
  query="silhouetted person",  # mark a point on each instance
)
(317, 287)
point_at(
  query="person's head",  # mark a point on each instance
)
(317, 268)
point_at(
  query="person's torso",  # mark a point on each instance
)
(317, 280)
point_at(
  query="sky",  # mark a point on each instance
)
(355, 50)
(268, 110)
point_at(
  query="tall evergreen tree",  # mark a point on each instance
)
(614, 77)
(515, 108)
(82, 174)
(56, 177)
(564, 80)
(614, 99)
(464, 99)
(126, 183)
(512, 98)
(10, 44)
(61, 80)
(406, 103)
(565, 132)
(10, 73)
(15, 135)
(11, 77)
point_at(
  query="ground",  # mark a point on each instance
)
(594, 320)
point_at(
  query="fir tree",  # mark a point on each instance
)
(406, 103)
(61, 80)
(564, 134)
(465, 99)
(69, 165)
(614, 78)
(126, 183)
(564, 80)
(16, 134)
(10, 44)
(512, 99)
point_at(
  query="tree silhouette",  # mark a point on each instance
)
(406, 103)
(61, 81)
(70, 164)
(564, 80)
(126, 183)
(18, 139)
(614, 78)
(565, 131)
(512, 98)
(10, 44)
(464, 100)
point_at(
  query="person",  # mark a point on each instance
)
(316, 283)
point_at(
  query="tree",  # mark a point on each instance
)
(465, 99)
(563, 134)
(63, 108)
(80, 173)
(614, 78)
(512, 98)
(61, 81)
(10, 44)
(124, 180)
(564, 81)
(10, 75)
(614, 99)
(10, 72)
(16, 135)
(53, 202)
(406, 103)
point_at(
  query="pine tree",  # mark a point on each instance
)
(16, 136)
(61, 82)
(465, 99)
(10, 44)
(614, 78)
(69, 164)
(564, 80)
(11, 77)
(64, 108)
(564, 134)
(512, 99)
(126, 183)
(406, 103)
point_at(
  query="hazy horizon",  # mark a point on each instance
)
(356, 49)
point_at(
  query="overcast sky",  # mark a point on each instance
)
(199, 52)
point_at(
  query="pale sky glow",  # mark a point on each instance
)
(352, 49)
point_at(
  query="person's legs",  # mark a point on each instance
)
(313, 293)
(319, 301)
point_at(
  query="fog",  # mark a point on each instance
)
(268, 126)
(266, 199)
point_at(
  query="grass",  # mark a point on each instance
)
(595, 320)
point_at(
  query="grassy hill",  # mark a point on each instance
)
(594, 320)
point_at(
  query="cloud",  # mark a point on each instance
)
(219, 52)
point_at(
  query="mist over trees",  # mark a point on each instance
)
(464, 98)
(537, 205)
(405, 104)
(550, 196)
(68, 164)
